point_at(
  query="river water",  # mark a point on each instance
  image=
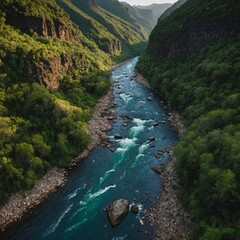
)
(76, 211)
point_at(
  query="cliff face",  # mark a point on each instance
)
(195, 36)
(41, 26)
(112, 46)
(51, 72)
(192, 25)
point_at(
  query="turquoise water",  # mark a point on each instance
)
(76, 211)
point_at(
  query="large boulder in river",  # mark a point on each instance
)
(117, 211)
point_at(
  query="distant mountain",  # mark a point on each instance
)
(109, 24)
(175, 6)
(157, 9)
(144, 17)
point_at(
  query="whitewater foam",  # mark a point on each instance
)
(143, 147)
(126, 97)
(72, 195)
(54, 226)
(120, 238)
(101, 191)
(134, 131)
(127, 143)
(106, 175)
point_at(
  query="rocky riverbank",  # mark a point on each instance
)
(21, 203)
(169, 218)
(99, 124)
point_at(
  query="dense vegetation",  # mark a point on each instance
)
(156, 9)
(107, 22)
(171, 9)
(41, 128)
(205, 89)
(42, 124)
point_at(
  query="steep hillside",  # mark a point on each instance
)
(193, 26)
(121, 29)
(157, 9)
(91, 28)
(143, 16)
(171, 9)
(50, 79)
(193, 60)
(140, 18)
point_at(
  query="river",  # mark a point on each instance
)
(76, 211)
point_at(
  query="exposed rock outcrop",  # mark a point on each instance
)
(117, 211)
(41, 26)
(195, 35)
(111, 46)
(51, 72)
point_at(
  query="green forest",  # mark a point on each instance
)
(204, 88)
(52, 72)
(40, 127)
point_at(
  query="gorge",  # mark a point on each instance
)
(76, 210)
(55, 58)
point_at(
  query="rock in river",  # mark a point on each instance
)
(134, 208)
(152, 138)
(118, 136)
(117, 211)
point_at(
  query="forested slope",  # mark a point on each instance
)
(111, 26)
(193, 60)
(53, 69)
(157, 9)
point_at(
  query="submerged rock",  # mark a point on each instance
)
(117, 211)
(149, 99)
(152, 138)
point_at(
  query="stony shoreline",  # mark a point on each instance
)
(169, 218)
(21, 203)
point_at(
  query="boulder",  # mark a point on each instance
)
(134, 208)
(152, 138)
(118, 136)
(117, 211)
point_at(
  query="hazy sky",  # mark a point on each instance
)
(147, 2)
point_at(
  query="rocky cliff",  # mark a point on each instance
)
(111, 46)
(24, 18)
(51, 72)
(196, 35)
(41, 26)
(173, 38)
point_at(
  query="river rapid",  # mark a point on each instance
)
(76, 211)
